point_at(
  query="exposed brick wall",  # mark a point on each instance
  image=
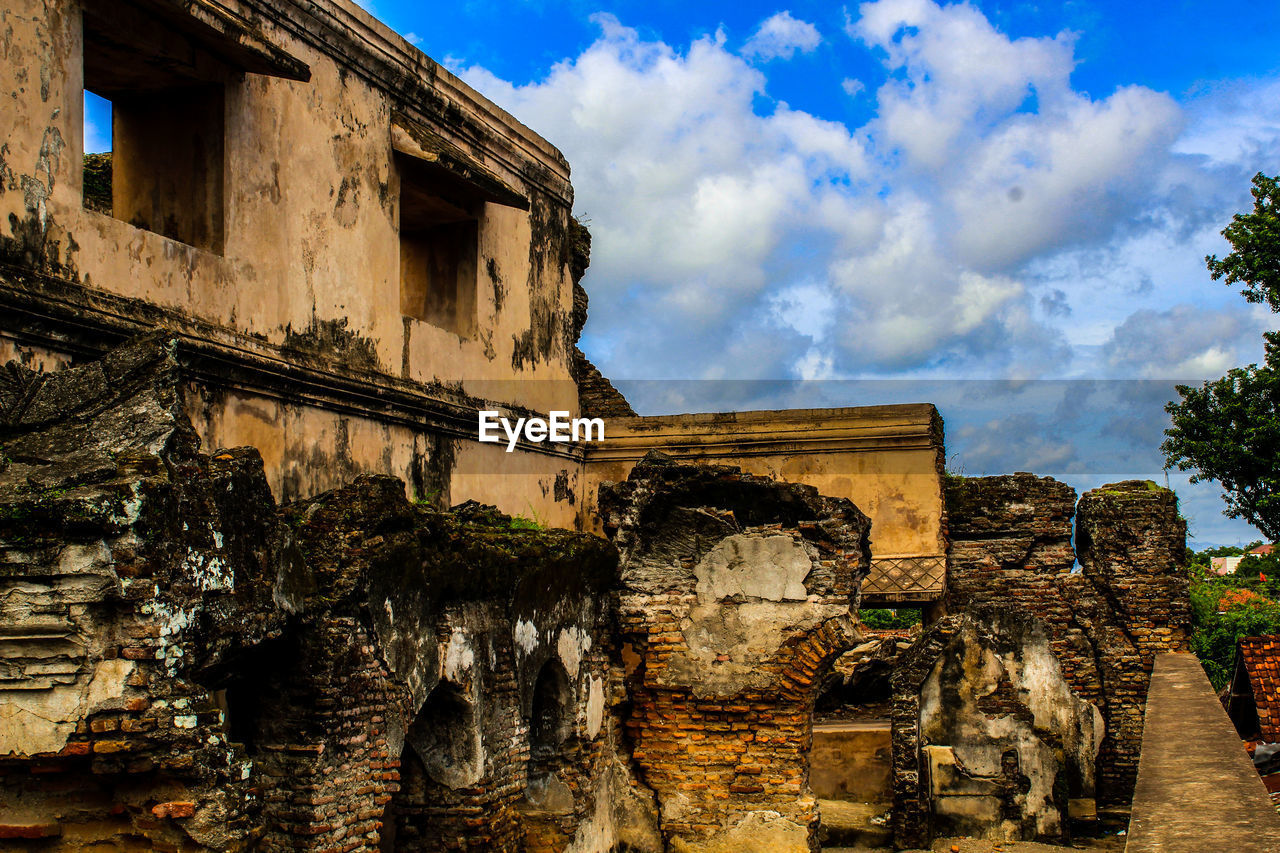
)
(325, 788)
(597, 397)
(725, 674)
(1011, 546)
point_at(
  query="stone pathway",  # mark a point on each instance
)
(1197, 789)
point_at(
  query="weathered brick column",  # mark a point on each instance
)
(1011, 546)
(1131, 544)
(736, 596)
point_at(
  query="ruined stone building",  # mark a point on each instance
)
(262, 588)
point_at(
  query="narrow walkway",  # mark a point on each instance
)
(1197, 790)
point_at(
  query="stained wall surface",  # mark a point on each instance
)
(328, 141)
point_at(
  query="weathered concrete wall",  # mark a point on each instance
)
(1011, 545)
(886, 459)
(189, 668)
(293, 313)
(737, 593)
(852, 761)
(989, 739)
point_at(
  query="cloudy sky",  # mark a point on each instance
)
(812, 204)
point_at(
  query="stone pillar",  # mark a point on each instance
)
(1131, 540)
(1132, 549)
(737, 594)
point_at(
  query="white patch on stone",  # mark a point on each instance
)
(459, 657)
(571, 645)
(108, 682)
(130, 509)
(526, 636)
(210, 573)
(595, 707)
(185, 721)
(83, 559)
(172, 624)
(752, 566)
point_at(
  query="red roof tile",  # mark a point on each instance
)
(1261, 656)
(1241, 598)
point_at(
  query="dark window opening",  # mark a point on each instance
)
(446, 737)
(439, 248)
(258, 698)
(165, 97)
(551, 720)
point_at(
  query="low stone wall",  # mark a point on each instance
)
(737, 593)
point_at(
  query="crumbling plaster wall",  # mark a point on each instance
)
(188, 668)
(989, 739)
(296, 321)
(736, 594)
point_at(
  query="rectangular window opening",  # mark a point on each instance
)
(97, 153)
(154, 126)
(439, 248)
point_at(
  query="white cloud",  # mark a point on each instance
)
(988, 220)
(853, 87)
(780, 37)
(1184, 342)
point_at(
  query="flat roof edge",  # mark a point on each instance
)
(924, 411)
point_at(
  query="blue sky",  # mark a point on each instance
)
(800, 204)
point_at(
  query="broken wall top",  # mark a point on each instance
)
(667, 515)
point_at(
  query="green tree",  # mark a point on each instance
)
(1254, 261)
(1214, 632)
(1228, 430)
(881, 618)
